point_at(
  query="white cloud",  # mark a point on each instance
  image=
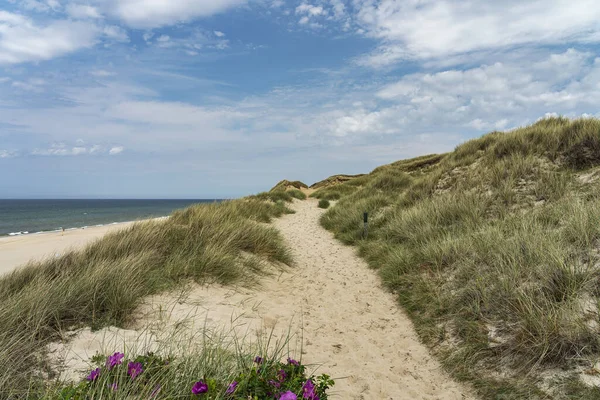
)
(116, 33)
(79, 149)
(310, 9)
(54, 4)
(82, 11)
(32, 84)
(21, 40)
(338, 8)
(163, 38)
(439, 28)
(219, 33)
(101, 73)
(156, 13)
(8, 154)
(148, 35)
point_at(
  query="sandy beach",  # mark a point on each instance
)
(18, 250)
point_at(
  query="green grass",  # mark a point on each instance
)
(103, 283)
(274, 196)
(323, 203)
(297, 194)
(492, 249)
(217, 357)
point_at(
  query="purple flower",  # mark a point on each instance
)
(282, 375)
(275, 383)
(258, 360)
(308, 391)
(134, 369)
(155, 391)
(293, 362)
(288, 396)
(199, 388)
(114, 386)
(231, 387)
(115, 359)
(93, 375)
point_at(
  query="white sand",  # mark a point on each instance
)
(18, 250)
(348, 324)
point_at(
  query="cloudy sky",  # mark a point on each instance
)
(221, 98)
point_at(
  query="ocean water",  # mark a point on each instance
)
(18, 217)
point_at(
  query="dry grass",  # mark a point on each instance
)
(103, 283)
(493, 250)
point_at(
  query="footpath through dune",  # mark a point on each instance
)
(340, 318)
(351, 325)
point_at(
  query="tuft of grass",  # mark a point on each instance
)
(323, 203)
(493, 251)
(103, 283)
(274, 196)
(297, 194)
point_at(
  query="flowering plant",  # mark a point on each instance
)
(154, 377)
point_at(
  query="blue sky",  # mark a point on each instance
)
(222, 98)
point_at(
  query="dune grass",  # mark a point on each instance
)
(218, 358)
(493, 251)
(323, 203)
(103, 283)
(297, 194)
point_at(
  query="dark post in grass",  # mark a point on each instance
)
(366, 224)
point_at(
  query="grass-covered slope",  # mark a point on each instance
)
(493, 249)
(103, 283)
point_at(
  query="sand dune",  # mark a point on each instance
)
(18, 250)
(341, 319)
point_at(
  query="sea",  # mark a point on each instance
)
(24, 217)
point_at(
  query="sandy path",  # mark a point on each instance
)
(352, 326)
(349, 326)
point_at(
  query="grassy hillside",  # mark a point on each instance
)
(493, 251)
(103, 283)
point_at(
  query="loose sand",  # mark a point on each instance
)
(18, 250)
(348, 325)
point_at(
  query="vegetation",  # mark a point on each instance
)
(287, 185)
(103, 283)
(493, 251)
(210, 374)
(297, 194)
(323, 203)
(274, 196)
(334, 180)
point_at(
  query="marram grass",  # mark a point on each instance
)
(493, 251)
(103, 283)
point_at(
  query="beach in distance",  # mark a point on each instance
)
(18, 250)
(33, 229)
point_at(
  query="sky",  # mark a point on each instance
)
(223, 98)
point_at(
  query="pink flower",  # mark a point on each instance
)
(231, 387)
(288, 396)
(93, 375)
(134, 369)
(308, 391)
(199, 387)
(115, 359)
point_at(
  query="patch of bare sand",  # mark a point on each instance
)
(343, 320)
(16, 251)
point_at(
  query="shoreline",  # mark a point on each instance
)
(18, 250)
(75, 228)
